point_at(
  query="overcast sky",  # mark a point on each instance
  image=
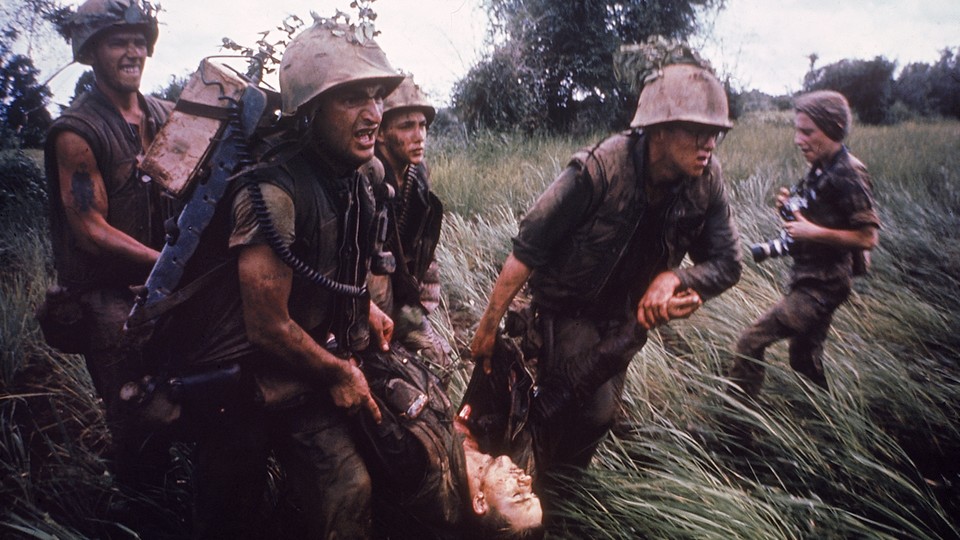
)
(764, 44)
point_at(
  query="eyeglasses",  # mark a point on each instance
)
(703, 134)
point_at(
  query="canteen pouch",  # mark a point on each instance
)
(62, 321)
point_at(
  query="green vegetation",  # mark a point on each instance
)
(548, 64)
(876, 457)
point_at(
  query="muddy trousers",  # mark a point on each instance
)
(325, 476)
(582, 350)
(803, 316)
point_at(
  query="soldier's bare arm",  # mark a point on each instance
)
(84, 198)
(265, 284)
(511, 279)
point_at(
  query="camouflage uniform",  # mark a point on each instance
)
(595, 242)
(839, 197)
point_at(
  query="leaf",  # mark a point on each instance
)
(369, 31)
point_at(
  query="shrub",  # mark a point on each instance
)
(22, 184)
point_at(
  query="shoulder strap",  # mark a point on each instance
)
(155, 310)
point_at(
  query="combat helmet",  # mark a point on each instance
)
(409, 96)
(96, 16)
(683, 93)
(327, 55)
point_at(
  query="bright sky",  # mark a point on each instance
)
(764, 44)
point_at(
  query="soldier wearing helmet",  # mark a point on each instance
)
(601, 250)
(299, 280)
(106, 224)
(415, 213)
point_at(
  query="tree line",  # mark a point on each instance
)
(549, 69)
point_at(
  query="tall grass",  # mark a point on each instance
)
(51, 428)
(875, 457)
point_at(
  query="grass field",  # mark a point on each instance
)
(876, 457)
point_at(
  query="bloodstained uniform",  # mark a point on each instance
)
(416, 461)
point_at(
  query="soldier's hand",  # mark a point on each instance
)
(352, 392)
(683, 304)
(653, 307)
(481, 349)
(381, 326)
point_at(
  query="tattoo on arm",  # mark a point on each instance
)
(82, 189)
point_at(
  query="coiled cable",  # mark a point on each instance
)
(283, 251)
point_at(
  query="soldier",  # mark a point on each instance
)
(831, 221)
(412, 292)
(332, 83)
(289, 249)
(431, 480)
(602, 248)
(106, 224)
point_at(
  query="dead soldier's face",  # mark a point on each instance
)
(347, 119)
(403, 137)
(509, 489)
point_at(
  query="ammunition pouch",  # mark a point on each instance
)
(399, 379)
(62, 321)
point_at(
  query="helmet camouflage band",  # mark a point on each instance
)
(409, 96)
(327, 55)
(96, 16)
(683, 93)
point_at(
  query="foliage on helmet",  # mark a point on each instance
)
(96, 16)
(675, 84)
(265, 54)
(638, 64)
(349, 53)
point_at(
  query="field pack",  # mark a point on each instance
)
(204, 144)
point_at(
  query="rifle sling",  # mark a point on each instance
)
(203, 110)
(148, 312)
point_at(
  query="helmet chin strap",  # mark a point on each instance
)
(308, 134)
(309, 138)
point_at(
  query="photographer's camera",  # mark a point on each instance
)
(779, 247)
